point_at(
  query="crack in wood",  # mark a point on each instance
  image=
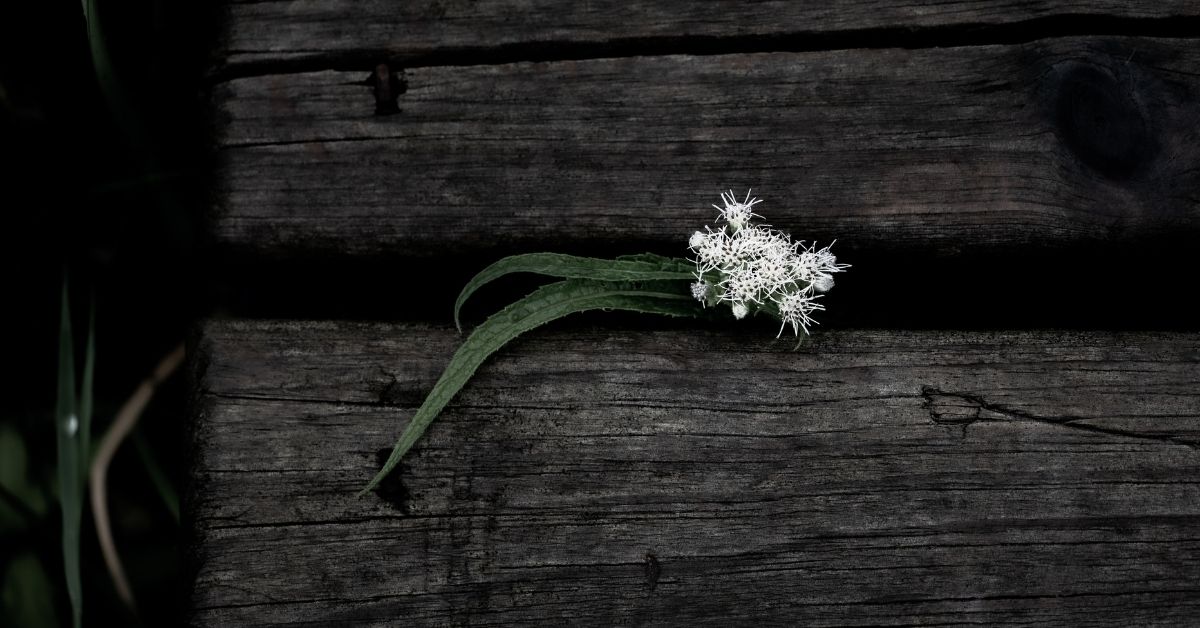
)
(323, 600)
(964, 409)
(388, 397)
(302, 400)
(314, 522)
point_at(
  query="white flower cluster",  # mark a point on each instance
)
(753, 267)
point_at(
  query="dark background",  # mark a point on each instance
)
(110, 192)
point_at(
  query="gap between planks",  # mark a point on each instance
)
(544, 51)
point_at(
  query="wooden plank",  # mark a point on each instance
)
(1051, 143)
(274, 31)
(687, 475)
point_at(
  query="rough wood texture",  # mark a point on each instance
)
(1058, 141)
(273, 31)
(693, 477)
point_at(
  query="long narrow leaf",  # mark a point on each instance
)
(105, 76)
(70, 476)
(85, 395)
(543, 305)
(655, 258)
(644, 268)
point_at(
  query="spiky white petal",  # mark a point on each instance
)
(795, 309)
(737, 214)
(752, 266)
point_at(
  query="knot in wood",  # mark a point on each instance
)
(387, 87)
(652, 570)
(1101, 119)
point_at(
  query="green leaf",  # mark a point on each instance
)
(101, 61)
(85, 395)
(643, 268)
(543, 305)
(652, 257)
(70, 476)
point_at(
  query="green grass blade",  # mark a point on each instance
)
(85, 395)
(543, 305)
(70, 475)
(647, 268)
(101, 61)
(66, 363)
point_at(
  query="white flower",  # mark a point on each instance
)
(737, 214)
(820, 261)
(794, 310)
(753, 266)
(709, 246)
(71, 425)
(741, 288)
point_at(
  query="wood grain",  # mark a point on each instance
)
(1051, 143)
(683, 475)
(274, 31)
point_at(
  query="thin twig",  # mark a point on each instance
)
(126, 419)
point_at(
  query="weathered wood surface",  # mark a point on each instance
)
(273, 31)
(1053, 142)
(872, 477)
